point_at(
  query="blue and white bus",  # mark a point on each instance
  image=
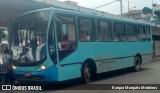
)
(54, 44)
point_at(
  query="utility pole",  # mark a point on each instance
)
(121, 6)
(128, 10)
(128, 6)
(152, 8)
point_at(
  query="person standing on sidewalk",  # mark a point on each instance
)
(6, 63)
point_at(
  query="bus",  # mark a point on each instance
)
(53, 44)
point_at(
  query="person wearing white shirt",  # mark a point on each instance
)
(6, 62)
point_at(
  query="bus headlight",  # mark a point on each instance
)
(14, 67)
(42, 67)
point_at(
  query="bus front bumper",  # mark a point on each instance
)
(47, 75)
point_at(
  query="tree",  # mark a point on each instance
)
(2, 35)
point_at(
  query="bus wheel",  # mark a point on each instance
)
(137, 64)
(86, 73)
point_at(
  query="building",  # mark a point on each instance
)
(135, 14)
(156, 30)
(141, 15)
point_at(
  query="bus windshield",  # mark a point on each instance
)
(29, 37)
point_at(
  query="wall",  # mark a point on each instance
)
(157, 48)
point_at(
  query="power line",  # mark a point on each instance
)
(135, 3)
(105, 4)
(111, 3)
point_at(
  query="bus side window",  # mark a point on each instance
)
(104, 32)
(132, 32)
(119, 32)
(141, 33)
(86, 29)
(148, 34)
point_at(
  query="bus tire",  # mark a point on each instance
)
(86, 73)
(137, 64)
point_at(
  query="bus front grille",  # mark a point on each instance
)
(32, 77)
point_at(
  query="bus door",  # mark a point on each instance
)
(66, 45)
(66, 36)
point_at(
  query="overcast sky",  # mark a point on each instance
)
(114, 8)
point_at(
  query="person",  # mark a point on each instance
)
(33, 45)
(64, 43)
(6, 63)
(82, 38)
(85, 37)
(1, 49)
(6, 50)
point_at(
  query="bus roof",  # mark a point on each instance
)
(92, 12)
(103, 15)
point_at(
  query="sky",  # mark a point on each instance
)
(114, 8)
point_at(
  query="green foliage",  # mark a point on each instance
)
(2, 35)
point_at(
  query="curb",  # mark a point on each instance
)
(155, 59)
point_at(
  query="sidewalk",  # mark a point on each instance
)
(156, 58)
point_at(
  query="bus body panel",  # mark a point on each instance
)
(73, 63)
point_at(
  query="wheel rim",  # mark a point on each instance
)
(87, 74)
